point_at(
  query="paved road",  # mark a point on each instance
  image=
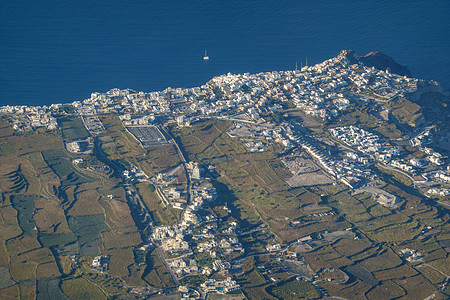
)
(129, 186)
(161, 256)
(188, 178)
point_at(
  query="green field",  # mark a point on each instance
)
(357, 271)
(72, 128)
(25, 208)
(160, 214)
(55, 216)
(61, 164)
(5, 278)
(251, 184)
(155, 274)
(295, 289)
(87, 229)
(80, 288)
(111, 286)
(57, 239)
(49, 289)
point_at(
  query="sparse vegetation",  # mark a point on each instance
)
(59, 211)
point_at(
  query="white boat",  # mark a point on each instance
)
(206, 57)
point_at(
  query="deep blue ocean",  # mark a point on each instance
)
(61, 51)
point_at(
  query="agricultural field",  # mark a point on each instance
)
(155, 274)
(81, 288)
(55, 217)
(253, 186)
(295, 289)
(72, 128)
(160, 215)
(52, 215)
(49, 289)
(121, 145)
(243, 188)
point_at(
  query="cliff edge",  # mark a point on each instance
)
(383, 62)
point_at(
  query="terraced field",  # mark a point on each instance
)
(252, 184)
(54, 218)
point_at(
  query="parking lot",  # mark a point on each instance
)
(148, 136)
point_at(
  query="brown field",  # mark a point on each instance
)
(8, 223)
(41, 167)
(9, 172)
(319, 259)
(124, 232)
(199, 136)
(258, 292)
(70, 191)
(29, 174)
(368, 252)
(159, 159)
(86, 201)
(22, 270)
(126, 144)
(339, 262)
(80, 288)
(160, 214)
(442, 265)
(41, 255)
(378, 211)
(118, 212)
(397, 233)
(25, 143)
(120, 259)
(157, 276)
(417, 287)
(395, 273)
(252, 282)
(357, 290)
(349, 247)
(48, 270)
(4, 257)
(384, 260)
(27, 291)
(424, 246)
(385, 221)
(437, 254)
(111, 286)
(430, 217)
(49, 216)
(385, 290)
(135, 274)
(66, 263)
(118, 239)
(22, 244)
(331, 288)
(5, 129)
(10, 293)
(431, 274)
(121, 238)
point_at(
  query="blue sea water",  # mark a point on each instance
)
(61, 51)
